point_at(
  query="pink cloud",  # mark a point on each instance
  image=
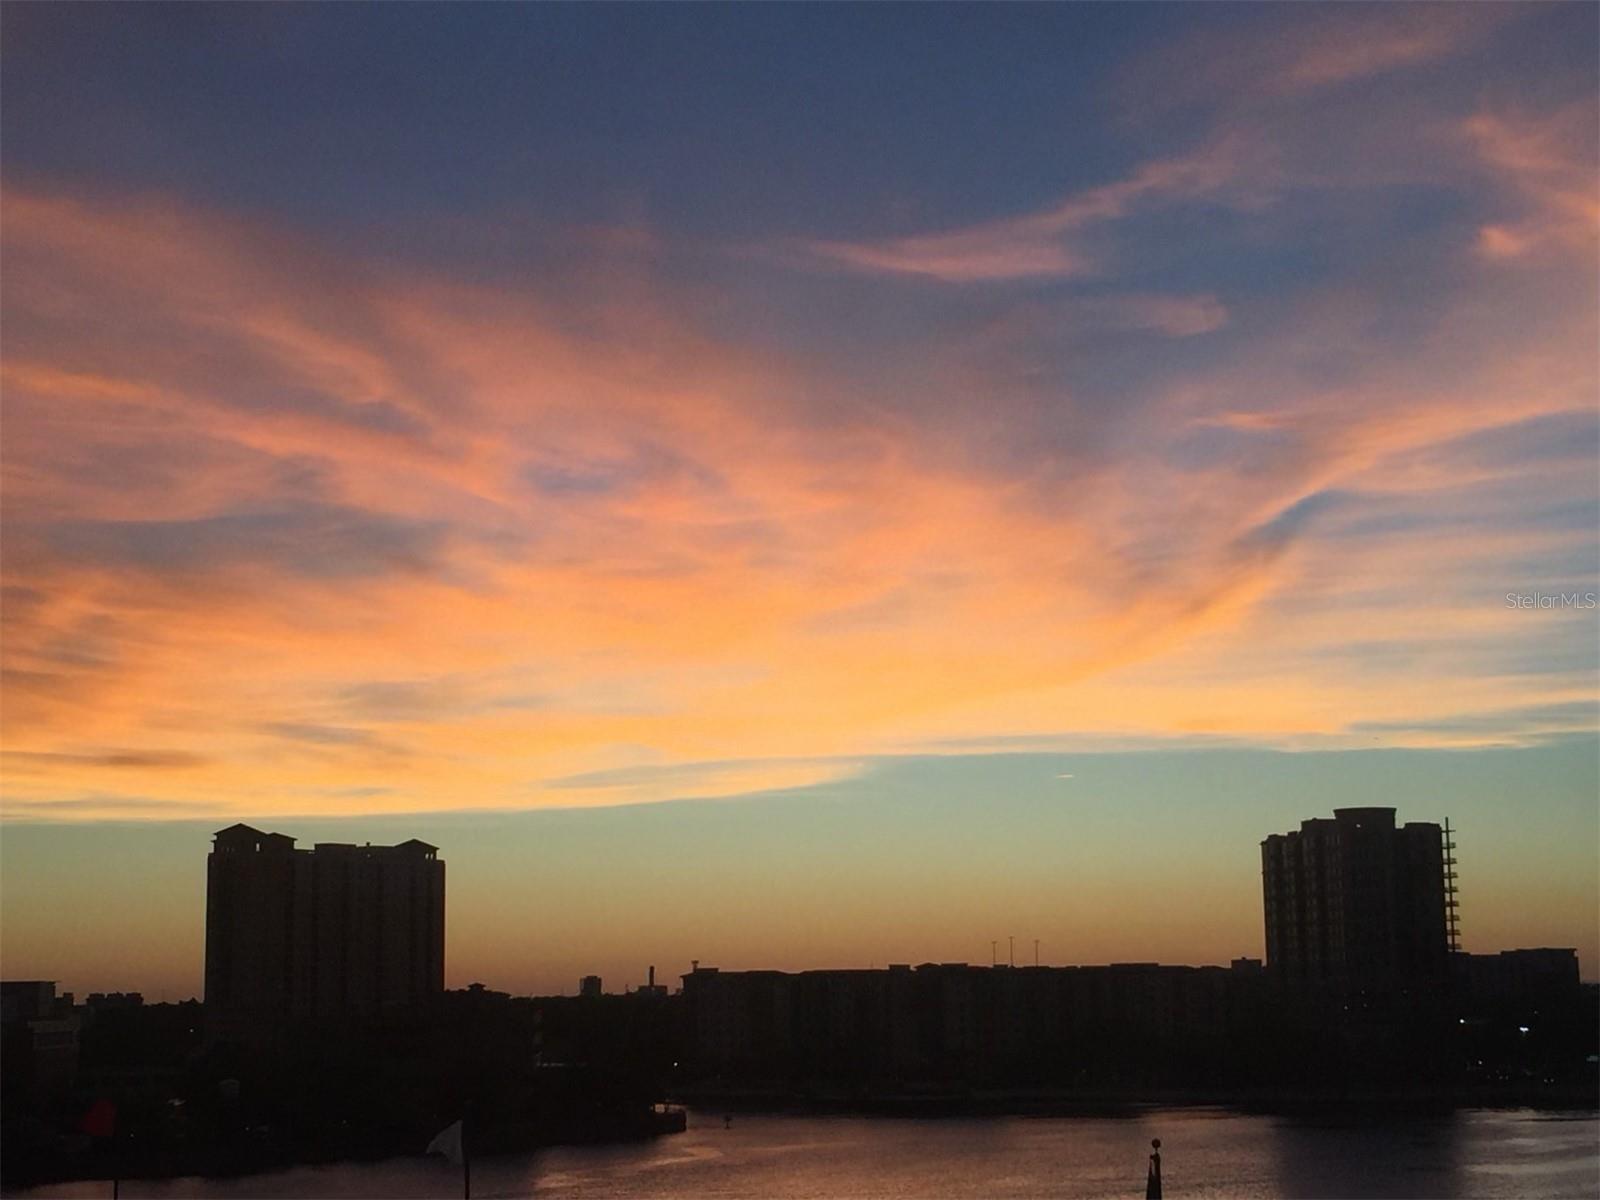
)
(1040, 244)
(1545, 166)
(1305, 53)
(280, 475)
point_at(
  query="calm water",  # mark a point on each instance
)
(1205, 1153)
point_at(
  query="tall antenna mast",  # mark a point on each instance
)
(1452, 917)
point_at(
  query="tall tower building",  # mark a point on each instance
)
(1354, 904)
(308, 933)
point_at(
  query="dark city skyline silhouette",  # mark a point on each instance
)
(325, 1006)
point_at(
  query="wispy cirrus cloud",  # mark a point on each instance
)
(119, 760)
(1300, 56)
(105, 805)
(1546, 163)
(643, 782)
(362, 535)
(598, 567)
(1256, 87)
(1052, 243)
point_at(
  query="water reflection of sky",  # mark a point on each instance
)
(1206, 1153)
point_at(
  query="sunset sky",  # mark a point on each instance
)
(795, 486)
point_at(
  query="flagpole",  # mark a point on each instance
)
(466, 1165)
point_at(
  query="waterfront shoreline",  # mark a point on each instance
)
(1473, 1155)
(1103, 1102)
(247, 1160)
(712, 1105)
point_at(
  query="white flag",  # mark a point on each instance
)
(448, 1143)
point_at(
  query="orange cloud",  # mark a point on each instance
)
(288, 532)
